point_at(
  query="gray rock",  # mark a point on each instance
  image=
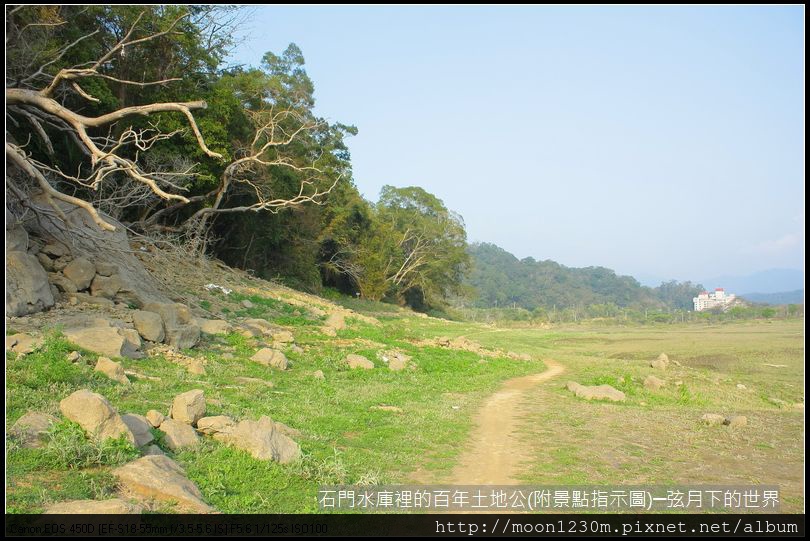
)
(247, 304)
(112, 370)
(215, 424)
(712, 419)
(178, 435)
(86, 298)
(397, 361)
(27, 287)
(62, 283)
(152, 450)
(31, 429)
(106, 269)
(596, 392)
(114, 506)
(180, 326)
(95, 415)
(132, 341)
(243, 379)
(80, 271)
(283, 337)
(188, 407)
(45, 261)
(149, 325)
(74, 356)
(160, 478)
(358, 361)
(262, 440)
(271, 357)
(60, 263)
(55, 249)
(140, 428)
(16, 239)
(258, 327)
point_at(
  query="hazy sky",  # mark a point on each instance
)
(663, 142)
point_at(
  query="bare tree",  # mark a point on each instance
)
(113, 167)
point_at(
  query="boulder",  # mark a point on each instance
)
(178, 435)
(62, 284)
(283, 337)
(99, 336)
(188, 407)
(154, 417)
(397, 360)
(149, 325)
(86, 298)
(358, 361)
(653, 383)
(112, 370)
(115, 506)
(74, 356)
(27, 287)
(16, 239)
(262, 440)
(736, 421)
(181, 329)
(214, 326)
(258, 327)
(596, 392)
(132, 341)
(140, 428)
(80, 271)
(55, 249)
(106, 286)
(152, 450)
(160, 478)
(22, 344)
(95, 415)
(246, 304)
(318, 374)
(712, 419)
(658, 364)
(31, 429)
(214, 425)
(46, 262)
(271, 357)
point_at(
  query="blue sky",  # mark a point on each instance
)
(665, 142)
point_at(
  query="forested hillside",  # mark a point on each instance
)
(502, 280)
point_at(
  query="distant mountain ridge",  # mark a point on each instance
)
(503, 280)
(782, 297)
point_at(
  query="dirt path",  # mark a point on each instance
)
(495, 453)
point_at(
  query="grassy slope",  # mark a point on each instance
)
(344, 439)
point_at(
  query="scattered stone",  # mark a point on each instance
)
(74, 356)
(106, 286)
(295, 348)
(22, 344)
(246, 380)
(86, 298)
(283, 337)
(178, 435)
(140, 428)
(16, 238)
(31, 429)
(358, 361)
(736, 421)
(597, 392)
(247, 304)
(335, 321)
(258, 327)
(149, 325)
(653, 383)
(271, 357)
(27, 287)
(262, 440)
(80, 271)
(155, 418)
(95, 415)
(132, 342)
(44, 260)
(160, 478)
(114, 506)
(60, 263)
(658, 364)
(214, 425)
(398, 361)
(712, 419)
(188, 407)
(741, 387)
(214, 326)
(318, 374)
(112, 370)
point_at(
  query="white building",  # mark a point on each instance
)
(707, 301)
